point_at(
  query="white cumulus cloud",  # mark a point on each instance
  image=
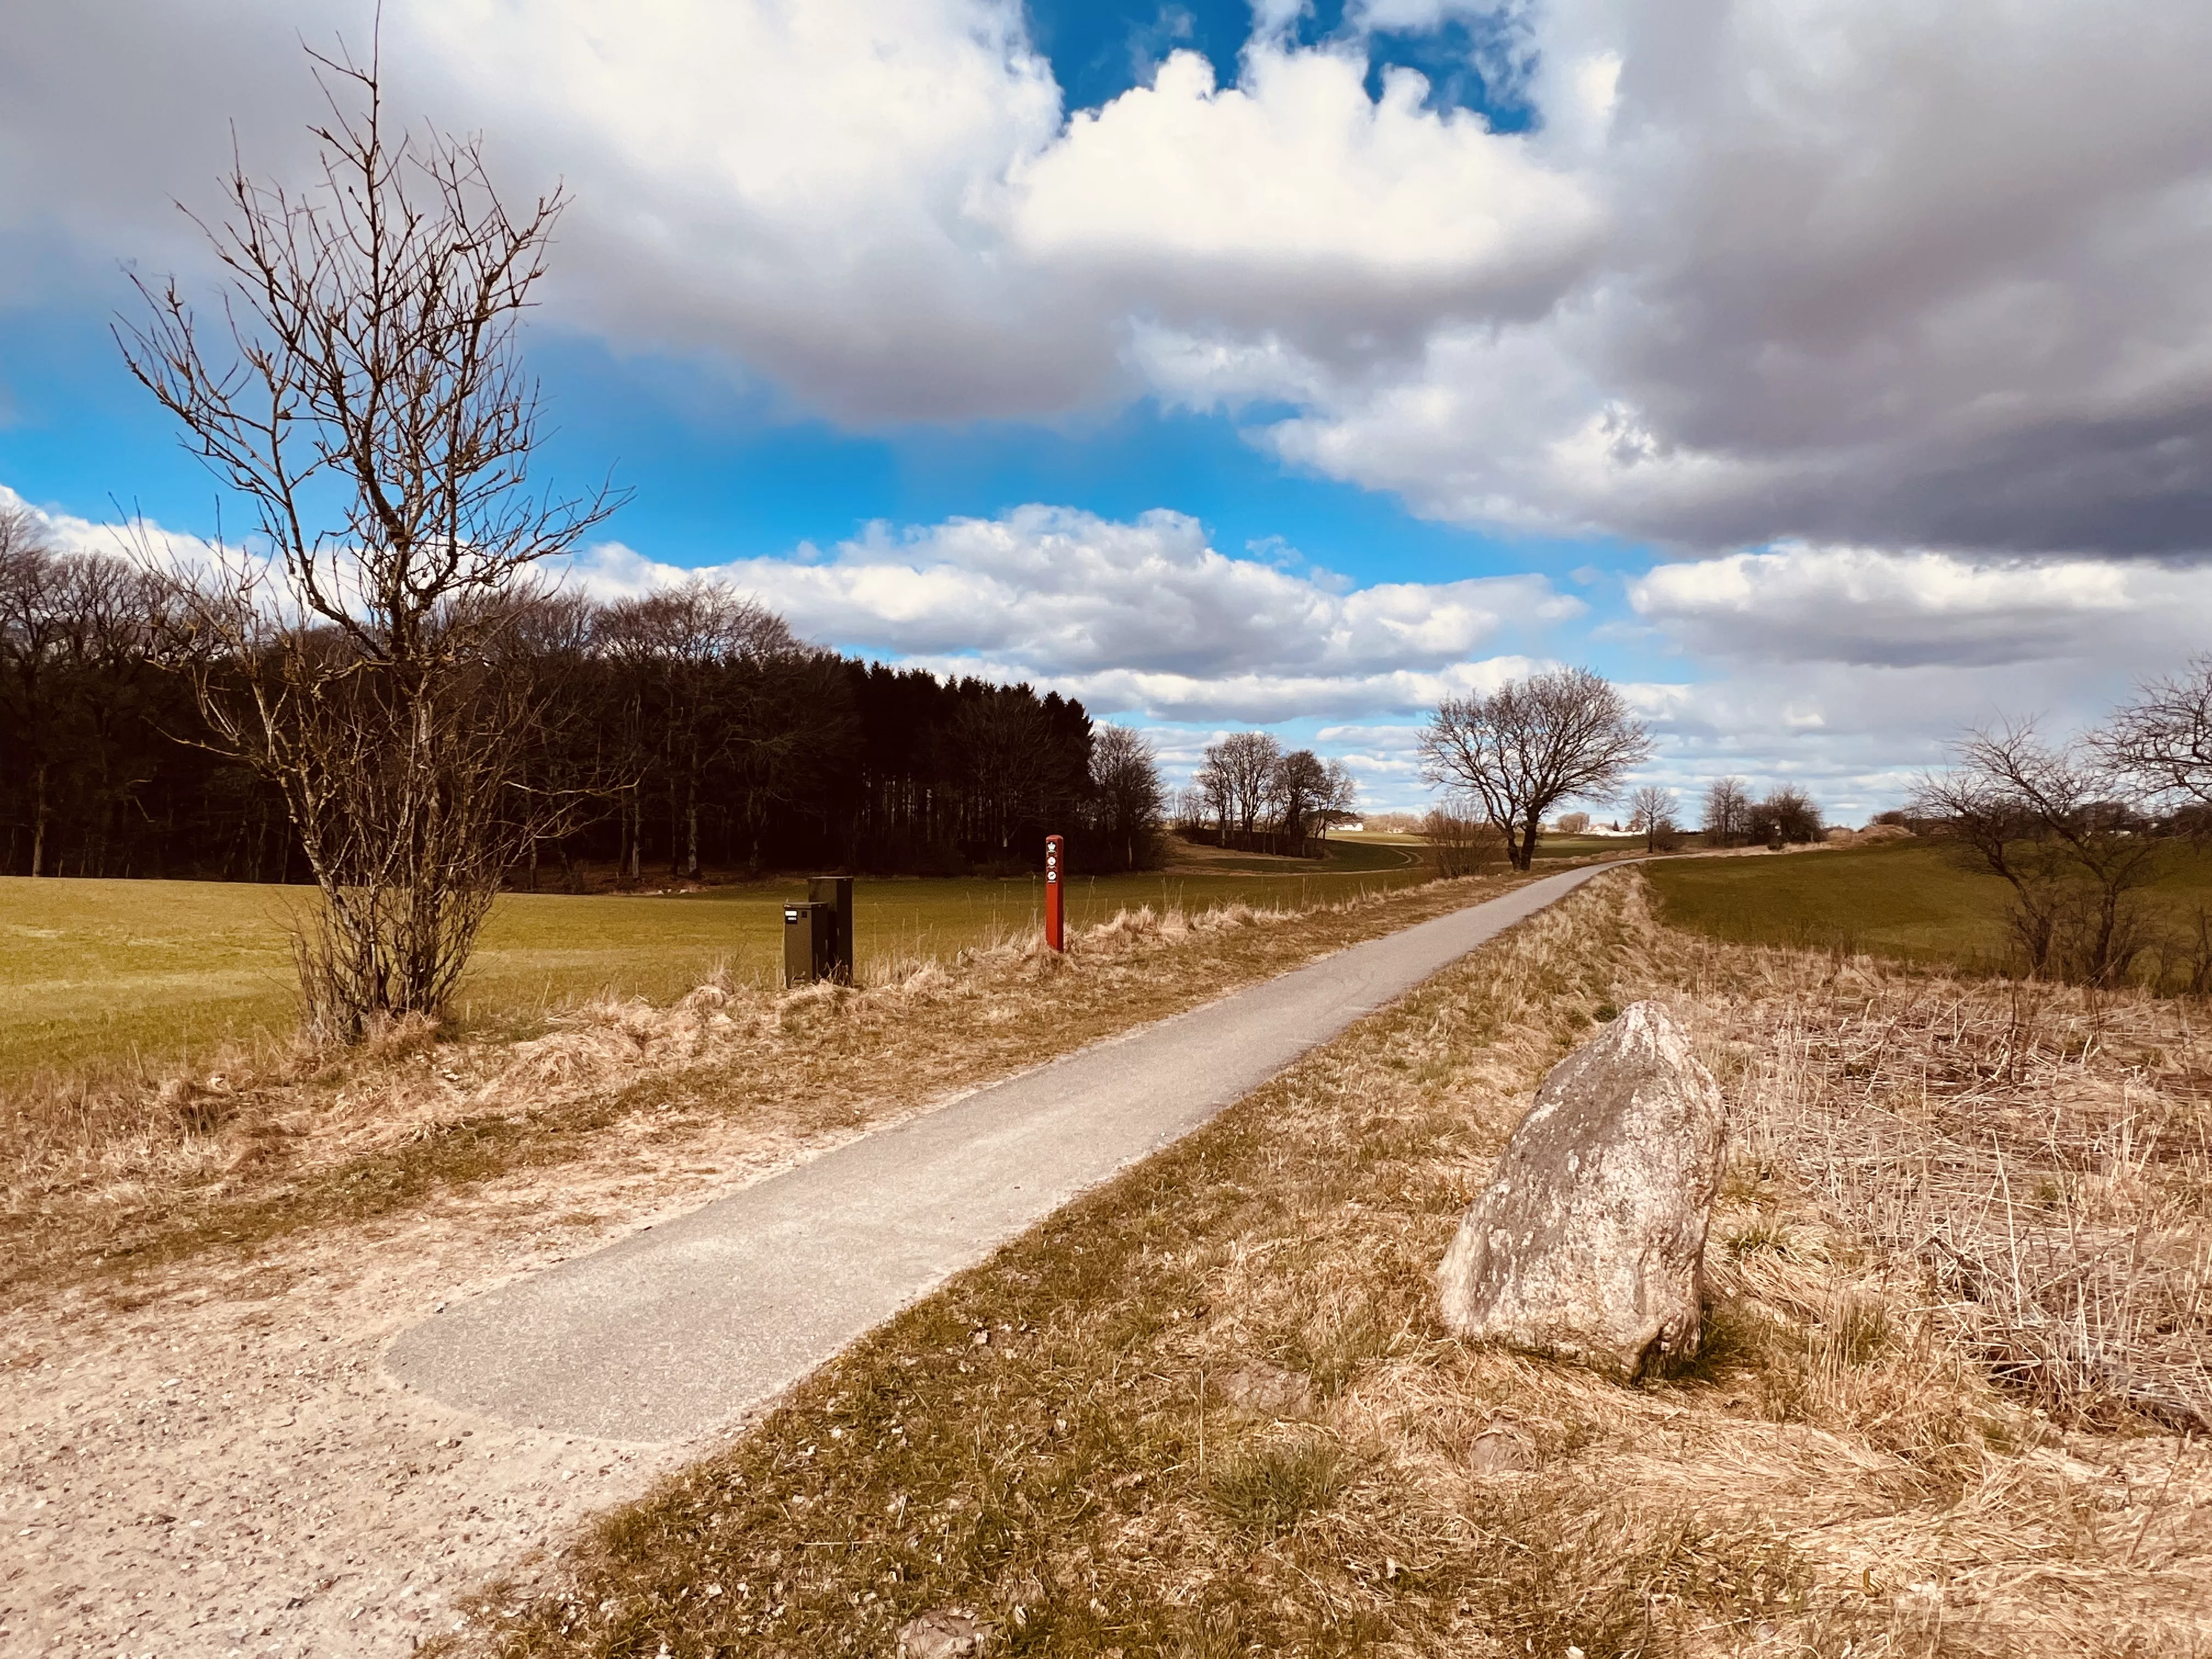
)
(1892, 272)
(1800, 603)
(1143, 615)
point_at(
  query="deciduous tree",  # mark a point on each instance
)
(1787, 816)
(1239, 777)
(1651, 813)
(370, 404)
(1520, 751)
(2162, 740)
(2054, 823)
(1127, 798)
(1726, 817)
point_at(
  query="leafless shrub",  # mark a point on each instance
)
(2055, 821)
(1459, 845)
(375, 413)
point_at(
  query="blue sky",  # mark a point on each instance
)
(1224, 363)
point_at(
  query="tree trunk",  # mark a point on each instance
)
(38, 822)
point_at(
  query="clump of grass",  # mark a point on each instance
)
(1763, 1234)
(1268, 1488)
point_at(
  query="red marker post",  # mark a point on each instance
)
(1055, 935)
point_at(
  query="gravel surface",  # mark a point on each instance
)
(222, 1467)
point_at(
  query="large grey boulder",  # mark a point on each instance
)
(1590, 1242)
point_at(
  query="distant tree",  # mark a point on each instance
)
(2054, 822)
(1520, 751)
(2161, 741)
(686, 648)
(374, 412)
(1239, 777)
(1004, 740)
(1726, 818)
(1343, 803)
(1787, 816)
(1127, 799)
(35, 622)
(1651, 813)
(1574, 823)
(1299, 792)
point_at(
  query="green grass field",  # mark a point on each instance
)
(97, 974)
(1908, 900)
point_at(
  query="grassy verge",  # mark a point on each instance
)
(135, 978)
(1909, 900)
(1208, 1410)
(104, 1186)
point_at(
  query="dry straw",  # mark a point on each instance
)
(87, 1157)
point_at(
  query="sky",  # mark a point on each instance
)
(1831, 376)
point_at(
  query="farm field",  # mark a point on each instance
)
(1910, 901)
(130, 974)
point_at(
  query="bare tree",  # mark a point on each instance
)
(2163, 740)
(1726, 818)
(1787, 816)
(1529, 745)
(1343, 802)
(2054, 822)
(1239, 775)
(1651, 814)
(370, 405)
(1299, 791)
(1127, 796)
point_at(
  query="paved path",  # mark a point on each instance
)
(674, 1331)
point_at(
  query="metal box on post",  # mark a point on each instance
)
(835, 893)
(807, 955)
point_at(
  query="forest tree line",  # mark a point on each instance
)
(681, 732)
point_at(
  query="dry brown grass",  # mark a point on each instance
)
(1209, 1410)
(2044, 1151)
(102, 1181)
